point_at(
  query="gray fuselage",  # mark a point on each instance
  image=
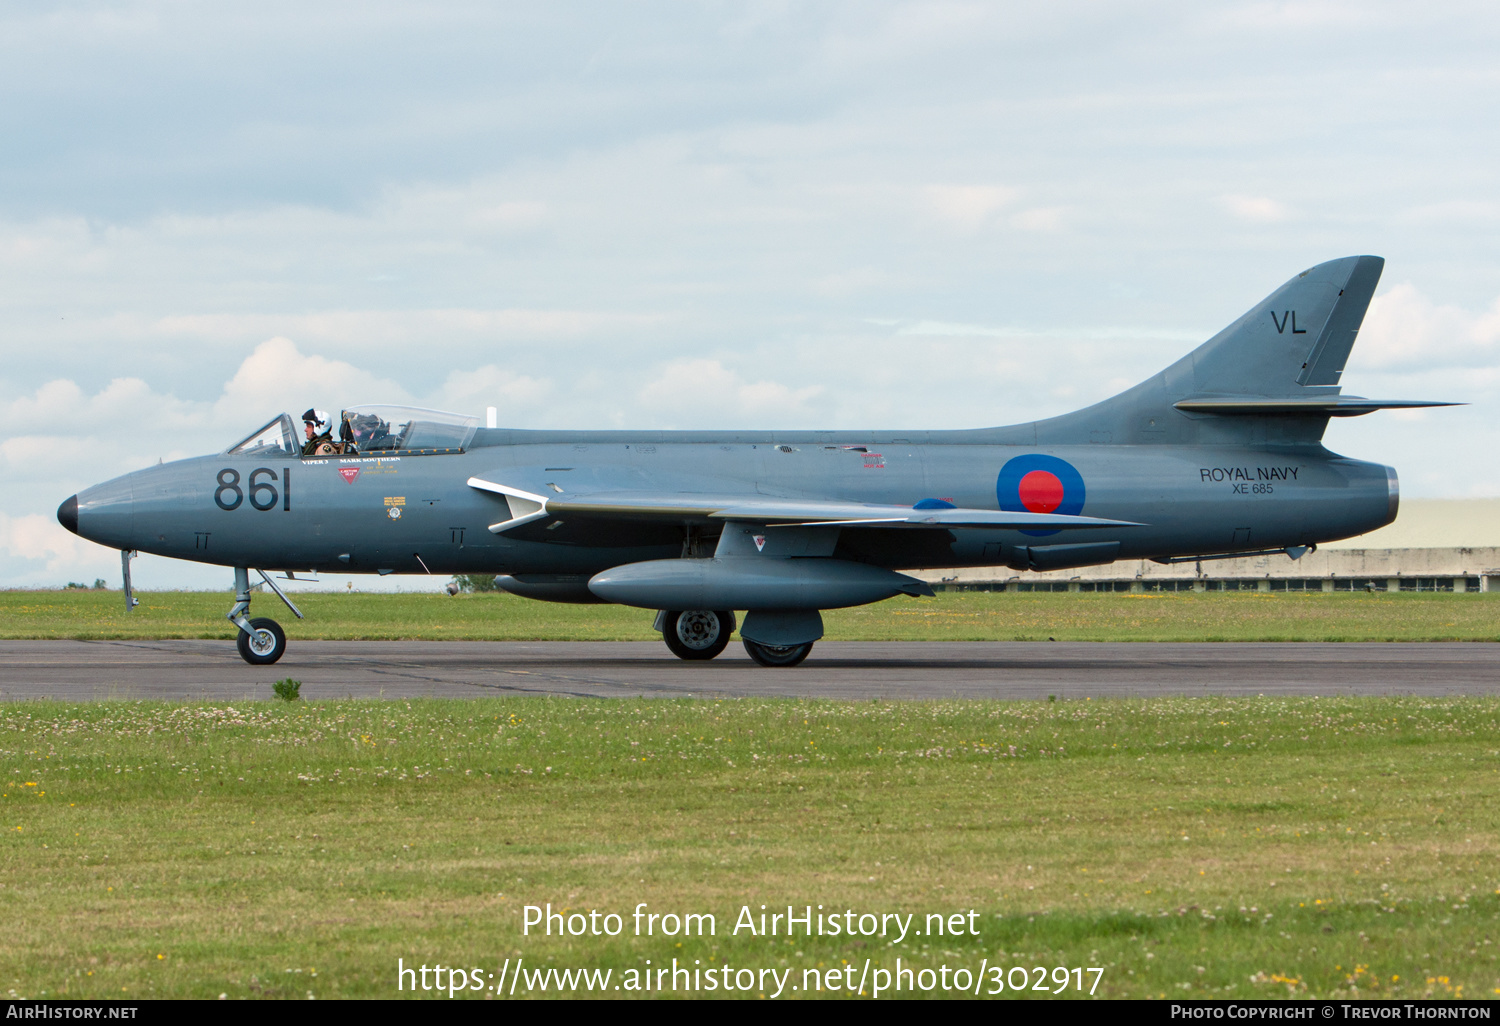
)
(417, 514)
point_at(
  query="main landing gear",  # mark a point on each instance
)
(776, 655)
(697, 633)
(704, 633)
(261, 641)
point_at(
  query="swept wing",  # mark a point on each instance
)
(676, 507)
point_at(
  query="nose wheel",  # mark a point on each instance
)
(264, 644)
(261, 641)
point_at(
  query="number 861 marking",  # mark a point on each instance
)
(261, 486)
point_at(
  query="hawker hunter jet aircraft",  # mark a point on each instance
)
(1220, 454)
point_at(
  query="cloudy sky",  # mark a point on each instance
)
(712, 215)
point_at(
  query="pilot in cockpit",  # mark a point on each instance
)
(318, 430)
(366, 431)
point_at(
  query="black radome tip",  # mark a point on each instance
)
(67, 514)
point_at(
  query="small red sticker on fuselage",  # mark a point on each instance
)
(349, 473)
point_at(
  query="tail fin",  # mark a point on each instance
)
(1298, 337)
(1271, 376)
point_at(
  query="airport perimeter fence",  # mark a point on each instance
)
(1452, 570)
(1460, 585)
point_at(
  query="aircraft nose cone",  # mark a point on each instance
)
(67, 513)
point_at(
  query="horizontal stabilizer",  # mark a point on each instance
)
(1290, 406)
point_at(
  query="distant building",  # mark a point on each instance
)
(1435, 524)
(1434, 545)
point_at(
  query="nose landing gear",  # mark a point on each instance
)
(261, 641)
(264, 644)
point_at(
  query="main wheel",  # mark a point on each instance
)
(697, 633)
(777, 655)
(266, 643)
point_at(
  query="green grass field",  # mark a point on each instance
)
(952, 616)
(1189, 847)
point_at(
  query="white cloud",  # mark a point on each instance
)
(1404, 329)
(56, 402)
(42, 538)
(375, 333)
(1310, 16)
(517, 398)
(1042, 219)
(1116, 333)
(858, 281)
(1260, 209)
(513, 214)
(1454, 212)
(277, 376)
(968, 207)
(62, 435)
(39, 455)
(702, 392)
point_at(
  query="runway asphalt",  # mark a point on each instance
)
(211, 670)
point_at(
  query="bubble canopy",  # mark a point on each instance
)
(406, 428)
(368, 429)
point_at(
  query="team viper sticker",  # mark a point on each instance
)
(1036, 483)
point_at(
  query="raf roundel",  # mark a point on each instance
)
(1035, 483)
